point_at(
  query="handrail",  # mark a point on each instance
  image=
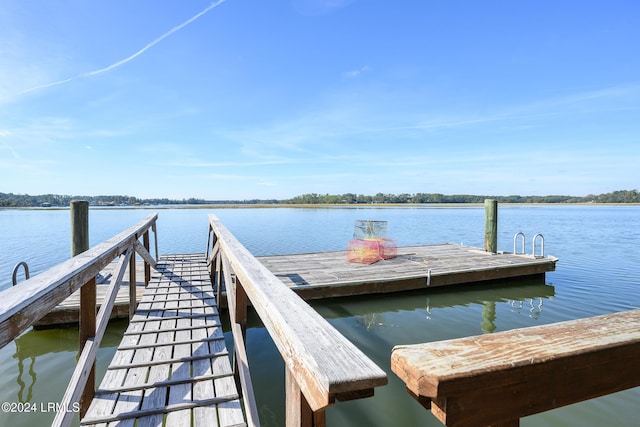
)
(515, 243)
(321, 364)
(23, 305)
(14, 275)
(496, 379)
(533, 250)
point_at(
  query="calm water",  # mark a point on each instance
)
(597, 274)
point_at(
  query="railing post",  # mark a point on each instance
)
(218, 279)
(298, 411)
(79, 211)
(239, 317)
(132, 285)
(491, 225)
(206, 254)
(154, 228)
(147, 267)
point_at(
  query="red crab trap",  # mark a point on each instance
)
(370, 243)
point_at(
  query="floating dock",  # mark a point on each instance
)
(328, 274)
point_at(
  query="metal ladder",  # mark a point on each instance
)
(536, 238)
(14, 276)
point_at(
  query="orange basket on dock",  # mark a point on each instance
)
(368, 251)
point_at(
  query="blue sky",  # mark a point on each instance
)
(275, 98)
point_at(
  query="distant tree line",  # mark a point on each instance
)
(9, 200)
(55, 200)
(622, 196)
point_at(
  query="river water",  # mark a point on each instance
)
(598, 248)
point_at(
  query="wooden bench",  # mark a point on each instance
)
(494, 380)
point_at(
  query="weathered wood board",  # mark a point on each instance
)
(499, 378)
(172, 361)
(328, 274)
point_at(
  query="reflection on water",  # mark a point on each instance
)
(377, 323)
(21, 383)
(534, 307)
(488, 324)
(43, 363)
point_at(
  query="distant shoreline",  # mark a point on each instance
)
(316, 206)
(624, 197)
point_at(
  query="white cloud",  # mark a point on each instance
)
(356, 73)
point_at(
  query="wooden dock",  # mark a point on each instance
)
(172, 366)
(328, 274)
(172, 361)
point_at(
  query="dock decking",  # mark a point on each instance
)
(172, 361)
(328, 274)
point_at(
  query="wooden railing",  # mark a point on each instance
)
(496, 379)
(25, 304)
(321, 365)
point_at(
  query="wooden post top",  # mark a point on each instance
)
(523, 371)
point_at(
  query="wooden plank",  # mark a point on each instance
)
(508, 375)
(155, 397)
(182, 370)
(204, 389)
(323, 361)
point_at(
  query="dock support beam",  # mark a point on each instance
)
(79, 211)
(491, 225)
(298, 411)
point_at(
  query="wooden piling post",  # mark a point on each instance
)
(491, 225)
(79, 226)
(79, 212)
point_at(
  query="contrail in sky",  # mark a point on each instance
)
(131, 57)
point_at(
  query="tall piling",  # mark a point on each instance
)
(491, 225)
